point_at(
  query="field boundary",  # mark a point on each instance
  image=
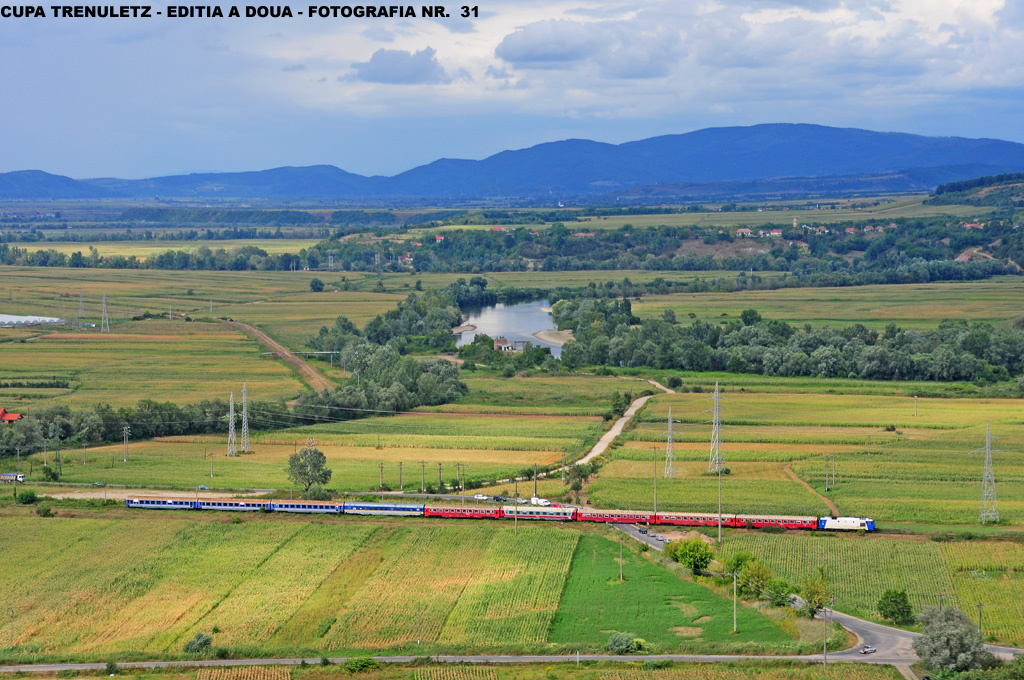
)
(825, 499)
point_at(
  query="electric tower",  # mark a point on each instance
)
(715, 462)
(989, 511)
(232, 449)
(105, 321)
(245, 420)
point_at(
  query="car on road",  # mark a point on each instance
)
(867, 649)
(481, 497)
(499, 499)
(98, 484)
(642, 530)
(203, 487)
(522, 501)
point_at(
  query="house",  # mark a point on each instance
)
(502, 345)
(498, 229)
(963, 257)
(439, 238)
(744, 233)
(851, 230)
(7, 417)
(405, 258)
(775, 233)
(973, 225)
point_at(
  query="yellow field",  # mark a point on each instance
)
(995, 301)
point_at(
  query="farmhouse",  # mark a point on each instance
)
(7, 417)
(744, 233)
(503, 345)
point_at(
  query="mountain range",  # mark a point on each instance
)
(760, 160)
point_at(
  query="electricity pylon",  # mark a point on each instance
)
(715, 462)
(232, 449)
(989, 511)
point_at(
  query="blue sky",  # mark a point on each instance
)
(136, 98)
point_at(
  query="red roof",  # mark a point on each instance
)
(6, 417)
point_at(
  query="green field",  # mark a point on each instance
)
(143, 249)
(995, 301)
(334, 584)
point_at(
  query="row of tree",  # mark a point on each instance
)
(606, 333)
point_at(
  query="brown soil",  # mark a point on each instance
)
(312, 377)
(825, 500)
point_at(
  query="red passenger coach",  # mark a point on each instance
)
(617, 516)
(690, 519)
(781, 521)
(471, 512)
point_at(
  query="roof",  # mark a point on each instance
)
(7, 417)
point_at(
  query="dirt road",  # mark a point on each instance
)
(824, 499)
(312, 377)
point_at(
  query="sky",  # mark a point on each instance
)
(140, 97)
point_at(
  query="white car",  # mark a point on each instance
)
(481, 497)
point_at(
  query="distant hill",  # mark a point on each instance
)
(38, 185)
(735, 161)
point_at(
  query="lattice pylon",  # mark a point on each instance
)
(989, 511)
(245, 419)
(669, 456)
(232, 449)
(715, 461)
(105, 321)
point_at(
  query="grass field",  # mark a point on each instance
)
(487, 447)
(335, 584)
(670, 612)
(861, 569)
(925, 305)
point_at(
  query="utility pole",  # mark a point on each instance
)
(979, 618)
(440, 484)
(669, 455)
(401, 487)
(126, 431)
(620, 560)
(12, 627)
(423, 476)
(535, 480)
(419, 623)
(654, 452)
(563, 467)
(719, 506)
(18, 450)
(380, 466)
(915, 405)
(940, 602)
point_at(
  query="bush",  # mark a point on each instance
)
(222, 653)
(317, 493)
(112, 668)
(45, 511)
(199, 644)
(67, 673)
(316, 285)
(27, 497)
(236, 519)
(508, 370)
(675, 382)
(49, 474)
(324, 661)
(693, 553)
(657, 665)
(621, 643)
(361, 664)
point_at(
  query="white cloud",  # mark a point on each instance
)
(398, 67)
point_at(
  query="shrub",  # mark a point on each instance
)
(222, 652)
(112, 668)
(236, 519)
(44, 511)
(317, 493)
(215, 630)
(324, 661)
(621, 643)
(316, 285)
(199, 644)
(67, 673)
(49, 474)
(27, 497)
(508, 370)
(361, 664)
(657, 665)
(693, 553)
(675, 382)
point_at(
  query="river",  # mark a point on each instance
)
(514, 322)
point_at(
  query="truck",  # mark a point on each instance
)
(544, 502)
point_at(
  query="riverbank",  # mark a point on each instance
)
(557, 338)
(459, 330)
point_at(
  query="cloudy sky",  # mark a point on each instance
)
(136, 98)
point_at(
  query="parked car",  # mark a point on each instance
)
(642, 530)
(522, 501)
(867, 649)
(98, 484)
(481, 497)
(203, 487)
(499, 499)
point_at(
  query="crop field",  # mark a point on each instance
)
(995, 301)
(751, 671)
(582, 395)
(488, 447)
(245, 673)
(649, 602)
(160, 358)
(890, 464)
(143, 249)
(336, 584)
(965, 573)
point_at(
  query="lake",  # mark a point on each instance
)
(513, 322)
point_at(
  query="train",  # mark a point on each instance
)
(554, 513)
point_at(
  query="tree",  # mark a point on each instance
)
(754, 577)
(308, 467)
(749, 317)
(199, 644)
(776, 592)
(316, 285)
(669, 316)
(317, 492)
(815, 592)
(950, 641)
(895, 606)
(693, 553)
